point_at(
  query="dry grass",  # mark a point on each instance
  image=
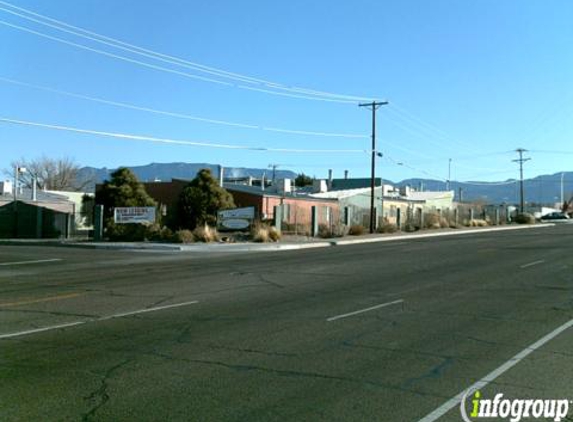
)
(205, 234)
(476, 222)
(263, 233)
(387, 228)
(183, 236)
(356, 230)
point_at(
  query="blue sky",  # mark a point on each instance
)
(467, 80)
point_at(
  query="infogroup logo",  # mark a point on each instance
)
(513, 410)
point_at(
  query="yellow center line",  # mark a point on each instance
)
(40, 300)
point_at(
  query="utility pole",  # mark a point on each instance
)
(274, 167)
(562, 198)
(521, 160)
(449, 174)
(374, 105)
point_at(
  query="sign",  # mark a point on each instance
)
(236, 219)
(134, 215)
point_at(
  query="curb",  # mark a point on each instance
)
(249, 247)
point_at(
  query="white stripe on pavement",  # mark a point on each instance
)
(383, 305)
(39, 330)
(39, 261)
(454, 401)
(531, 264)
(142, 311)
(104, 318)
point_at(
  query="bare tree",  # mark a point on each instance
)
(51, 174)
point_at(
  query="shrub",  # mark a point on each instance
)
(274, 234)
(126, 232)
(411, 227)
(156, 233)
(387, 228)
(356, 230)
(478, 223)
(263, 233)
(432, 221)
(260, 234)
(183, 236)
(205, 234)
(524, 218)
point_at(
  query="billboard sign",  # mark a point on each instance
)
(134, 215)
(236, 219)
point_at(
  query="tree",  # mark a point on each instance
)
(51, 174)
(87, 209)
(303, 180)
(201, 199)
(123, 190)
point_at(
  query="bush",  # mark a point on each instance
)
(126, 232)
(411, 227)
(478, 223)
(387, 228)
(274, 234)
(524, 218)
(263, 233)
(326, 231)
(260, 234)
(183, 236)
(205, 234)
(356, 230)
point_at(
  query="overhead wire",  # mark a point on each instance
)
(180, 115)
(134, 49)
(173, 141)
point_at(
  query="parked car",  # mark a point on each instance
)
(556, 217)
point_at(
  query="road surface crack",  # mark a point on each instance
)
(99, 397)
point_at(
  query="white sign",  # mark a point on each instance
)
(236, 219)
(134, 215)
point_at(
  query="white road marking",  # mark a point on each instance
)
(383, 305)
(39, 261)
(39, 330)
(454, 401)
(142, 311)
(531, 264)
(104, 318)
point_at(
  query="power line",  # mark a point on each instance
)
(430, 130)
(174, 141)
(165, 69)
(182, 115)
(112, 42)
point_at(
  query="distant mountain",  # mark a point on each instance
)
(545, 189)
(167, 171)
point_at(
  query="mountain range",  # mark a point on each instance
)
(545, 189)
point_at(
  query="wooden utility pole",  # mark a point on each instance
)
(521, 160)
(374, 105)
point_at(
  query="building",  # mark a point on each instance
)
(36, 215)
(296, 207)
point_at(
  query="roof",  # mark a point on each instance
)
(44, 199)
(268, 192)
(355, 183)
(430, 195)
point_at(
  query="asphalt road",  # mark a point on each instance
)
(376, 332)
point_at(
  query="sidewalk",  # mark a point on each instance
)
(288, 243)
